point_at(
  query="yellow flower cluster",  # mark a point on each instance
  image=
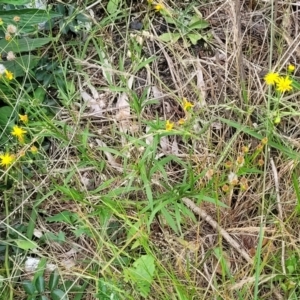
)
(8, 74)
(6, 159)
(282, 83)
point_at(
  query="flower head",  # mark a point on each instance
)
(11, 28)
(10, 56)
(19, 133)
(34, 149)
(284, 84)
(159, 7)
(7, 37)
(233, 179)
(291, 68)
(187, 105)
(16, 18)
(169, 125)
(271, 78)
(23, 118)
(9, 75)
(2, 69)
(6, 159)
(181, 121)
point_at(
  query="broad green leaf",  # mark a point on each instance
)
(29, 17)
(53, 281)
(141, 274)
(23, 45)
(194, 37)
(15, 2)
(211, 200)
(5, 115)
(40, 284)
(21, 65)
(64, 216)
(112, 6)
(28, 287)
(198, 24)
(58, 295)
(26, 244)
(170, 37)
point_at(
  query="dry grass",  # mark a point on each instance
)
(112, 166)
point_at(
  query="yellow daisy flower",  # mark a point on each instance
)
(19, 133)
(23, 118)
(187, 105)
(159, 7)
(291, 68)
(6, 159)
(9, 75)
(169, 125)
(271, 78)
(284, 84)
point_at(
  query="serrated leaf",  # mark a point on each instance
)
(112, 6)
(194, 37)
(23, 45)
(58, 295)
(28, 287)
(170, 37)
(26, 244)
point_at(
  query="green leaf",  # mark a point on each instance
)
(58, 295)
(197, 23)
(5, 115)
(112, 6)
(23, 44)
(64, 216)
(26, 244)
(15, 2)
(53, 281)
(211, 200)
(170, 37)
(40, 284)
(194, 37)
(28, 17)
(141, 274)
(21, 65)
(28, 287)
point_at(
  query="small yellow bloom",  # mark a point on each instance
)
(240, 161)
(291, 68)
(284, 84)
(19, 133)
(187, 105)
(245, 149)
(159, 7)
(225, 188)
(9, 75)
(169, 125)
(1, 22)
(6, 159)
(264, 141)
(16, 18)
(7, 37)
(23, 118)
(181, 121)
(271, 78)
(34, 150)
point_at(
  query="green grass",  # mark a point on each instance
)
(111, 204)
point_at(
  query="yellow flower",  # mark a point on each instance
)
(7, 37)
(181, 121)
(291, 68)
(271, 78)
(23, 118)
(159, 7)
(1, 22)
(9, 75)
(169, 125)
(34, 150)
(6, 159)
(284, 84)
(19, 133)
(187, 105)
